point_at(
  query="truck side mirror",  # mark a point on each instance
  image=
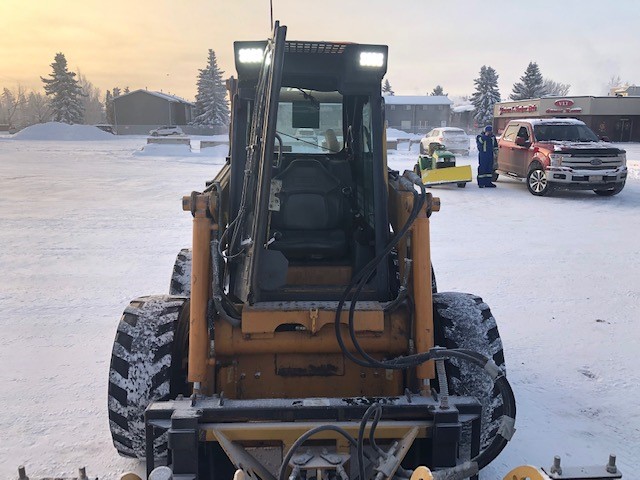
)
(604, 138)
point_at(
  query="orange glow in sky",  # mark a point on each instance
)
(161, 44)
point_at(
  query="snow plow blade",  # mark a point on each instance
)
(440, 176)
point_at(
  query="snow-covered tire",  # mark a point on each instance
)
(143, 368)
(464, 321)
(181, 277)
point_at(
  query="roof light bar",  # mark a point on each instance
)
(371, 59)
(250, 55)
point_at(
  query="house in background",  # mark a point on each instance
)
(625, 91)
(417, 114)
(462, 117)
(139, 111)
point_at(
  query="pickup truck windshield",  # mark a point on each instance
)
(564, 133)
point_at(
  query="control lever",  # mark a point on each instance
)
(276, 236)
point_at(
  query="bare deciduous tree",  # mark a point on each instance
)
(552, 87)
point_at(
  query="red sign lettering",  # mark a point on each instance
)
(565, 102)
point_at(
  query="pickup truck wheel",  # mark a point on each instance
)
(537, 180)
(462, 184)
(611, 191)
(462, 320)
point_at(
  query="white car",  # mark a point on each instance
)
(166, 130)
(454, 139)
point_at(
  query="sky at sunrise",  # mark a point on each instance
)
(160, 44)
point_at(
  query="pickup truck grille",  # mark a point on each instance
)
(593, 159)
(588, 163)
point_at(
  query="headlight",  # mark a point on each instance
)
(250, 55)
(371, 59)
(556, 159)
(623, 158)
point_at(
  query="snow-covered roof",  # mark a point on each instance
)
(462, 108)
(164, 96)
(547, 121)
(417, 100)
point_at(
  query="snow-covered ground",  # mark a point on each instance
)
(88, 225)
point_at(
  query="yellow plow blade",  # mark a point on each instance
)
(441, 176)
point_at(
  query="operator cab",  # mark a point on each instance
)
(308, 188)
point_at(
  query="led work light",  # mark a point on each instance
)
(371, 59)
(250, 55)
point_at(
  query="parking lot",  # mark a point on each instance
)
(87, 226)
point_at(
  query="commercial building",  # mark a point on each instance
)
(614, 117)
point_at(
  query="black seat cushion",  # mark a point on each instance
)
(311, 213)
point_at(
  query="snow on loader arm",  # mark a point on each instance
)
(438, 167)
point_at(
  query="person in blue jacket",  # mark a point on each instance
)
(487, 149)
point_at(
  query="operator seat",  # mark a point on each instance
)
(311, 221)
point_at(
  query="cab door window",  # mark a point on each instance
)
(510, 133)
(523, 133)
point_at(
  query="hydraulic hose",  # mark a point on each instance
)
(218, 294)
(363, 276)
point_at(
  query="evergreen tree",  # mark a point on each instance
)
(531, 84)
(212, 107)
(108, 107)
(126, 90)
(386, 88)
(65, 93)
(438, 91)
(485, 96)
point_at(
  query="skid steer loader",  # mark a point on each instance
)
(304, 337)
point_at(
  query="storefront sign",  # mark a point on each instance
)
(564, 102)
(519, 109)
(564, 110)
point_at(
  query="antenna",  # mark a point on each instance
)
(271, 10)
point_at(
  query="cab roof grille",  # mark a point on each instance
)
(314, 47)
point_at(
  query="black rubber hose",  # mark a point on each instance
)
(498, 443)
(304, 437)
(362, 277)
(376, 410)
(217, 290)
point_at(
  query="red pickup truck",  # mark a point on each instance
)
(560, 153)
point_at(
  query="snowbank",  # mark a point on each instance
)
(182, 150)
(393, 133)
(62, 131)
(157, 150)
(220, 151)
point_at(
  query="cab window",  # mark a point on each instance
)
(310, 121)
(523, 133)
(510, 133)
